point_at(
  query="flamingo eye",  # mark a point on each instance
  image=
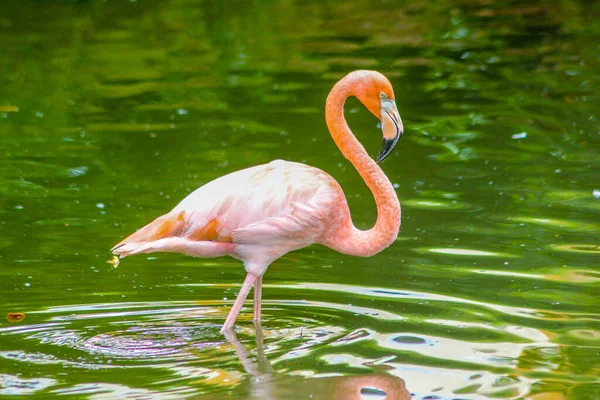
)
(382, 96)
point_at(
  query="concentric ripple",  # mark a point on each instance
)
(178, 344)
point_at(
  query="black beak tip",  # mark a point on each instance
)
(387, 147)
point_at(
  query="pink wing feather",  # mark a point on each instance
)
(305, 222)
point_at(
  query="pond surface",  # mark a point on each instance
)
(113, 111)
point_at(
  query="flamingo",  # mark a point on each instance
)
(260, 213)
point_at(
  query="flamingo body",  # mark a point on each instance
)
(261, 213)
(257, 215)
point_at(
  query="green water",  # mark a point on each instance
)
(113, 111)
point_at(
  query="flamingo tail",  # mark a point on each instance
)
(166, 226)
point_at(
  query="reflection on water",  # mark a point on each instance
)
(181, 343)
(110, 112)
(264, 384)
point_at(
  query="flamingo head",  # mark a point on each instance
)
(376, 93)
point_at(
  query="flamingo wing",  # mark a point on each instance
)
(304, 222)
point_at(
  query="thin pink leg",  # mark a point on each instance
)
(239, 302)
(257, 298)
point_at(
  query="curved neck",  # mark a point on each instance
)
(349, 239)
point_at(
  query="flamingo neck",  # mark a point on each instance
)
(347, 238)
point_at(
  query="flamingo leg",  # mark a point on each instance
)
(239, 302)
(257, 298)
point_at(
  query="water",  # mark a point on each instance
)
(111, 112)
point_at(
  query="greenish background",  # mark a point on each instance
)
(113, 111)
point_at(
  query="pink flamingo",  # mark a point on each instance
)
(261, 213)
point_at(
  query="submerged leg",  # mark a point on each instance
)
(257, 298)
(259, 368)
(239, 302)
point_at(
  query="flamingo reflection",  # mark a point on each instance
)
(265, 384)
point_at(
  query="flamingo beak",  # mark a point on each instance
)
(391, 127)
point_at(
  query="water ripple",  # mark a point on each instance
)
(182, 339)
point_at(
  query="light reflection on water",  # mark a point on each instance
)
(184, 343)
(182, 340)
